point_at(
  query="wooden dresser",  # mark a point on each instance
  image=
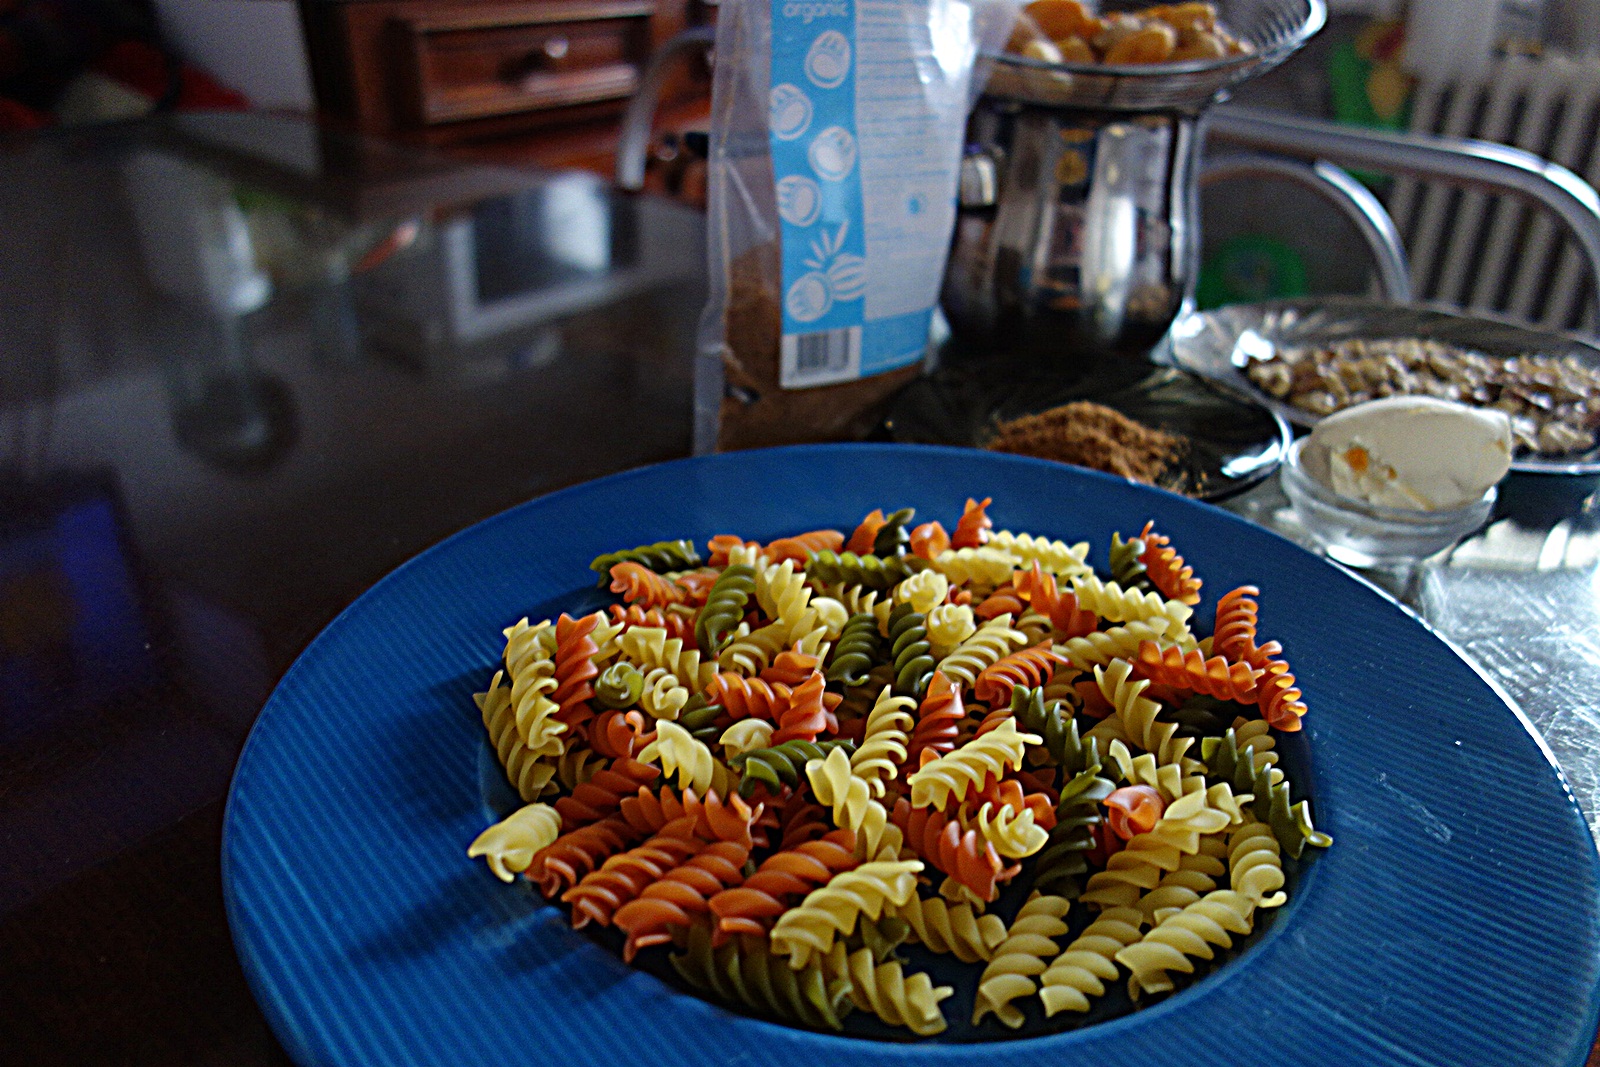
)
(535, 80)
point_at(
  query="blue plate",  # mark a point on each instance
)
(1456, 919)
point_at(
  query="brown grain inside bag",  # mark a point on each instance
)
(756, 411)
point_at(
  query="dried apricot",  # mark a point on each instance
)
(1187, 18)
(1076, 50)
(1199, 45)
(1152, 44)
(1061, 18)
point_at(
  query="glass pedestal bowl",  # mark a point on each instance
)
(1359, 534)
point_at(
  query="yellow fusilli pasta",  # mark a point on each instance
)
(1057, 557)
(663, 696)
(966, 768)
(852, 806)
(749, 653)
(956, 929)
(831, 615)
(1195, 877)
(924, 591)
(1193, 932)
(979, 569)
(883, 744)
(1115, 604)
(948, 625)
(1086, 965)
(783, 594)
(831, 911)
(1134, 870)
(534, 714)
(745, 736)
(526, 643)
(1169, 779)
(577, 765)
(1015, 835)
(607, 638)
(1137, 715)
(508, 845)
(987, 644)
(857, 599)
(1019, 958)
(1060, 685)
(1034, 627)
(748, 556)
(1119, 642)
(690, 761)
(531, 777)
(1255, 867)
(885, 990)
(649, 647)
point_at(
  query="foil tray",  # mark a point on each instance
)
(1220, 344)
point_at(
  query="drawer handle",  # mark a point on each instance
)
(543, 60)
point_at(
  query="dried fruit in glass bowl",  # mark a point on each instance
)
(1065, 31)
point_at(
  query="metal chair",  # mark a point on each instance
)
(633, 146)
(1461, 162)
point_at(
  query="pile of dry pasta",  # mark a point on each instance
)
(783, 761)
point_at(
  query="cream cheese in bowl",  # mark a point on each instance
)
(1395, 480)
(1418, 453)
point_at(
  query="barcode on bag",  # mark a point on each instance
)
(820, 358)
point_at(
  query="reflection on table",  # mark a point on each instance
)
(241, 386)
(251, 367)
(1520, 600)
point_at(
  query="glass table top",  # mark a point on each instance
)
(250, 366)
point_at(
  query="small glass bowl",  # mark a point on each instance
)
(1366, 535)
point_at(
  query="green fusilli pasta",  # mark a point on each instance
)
(909, 652)
(875, 572)
(783, 765)
(724, 607)
(893, 539)
(619, 686)
(661, 557)
(1127, 569)
(857, 651)
(1290, 823)
(745, 972)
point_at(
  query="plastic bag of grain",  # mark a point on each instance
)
(835, 149)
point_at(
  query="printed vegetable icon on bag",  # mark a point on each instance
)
(809, 298)
(833, 275)
(828, 61)
(799, 200)
(833, 154)
(790, 114)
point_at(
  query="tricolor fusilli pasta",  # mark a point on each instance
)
(776, 766)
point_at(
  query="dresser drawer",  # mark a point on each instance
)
(485, 61)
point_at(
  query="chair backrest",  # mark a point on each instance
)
(1489, 252)
(1465, 167)
(633, 143)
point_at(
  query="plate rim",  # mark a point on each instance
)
(291, 1033)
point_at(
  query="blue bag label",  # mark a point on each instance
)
(863, 158)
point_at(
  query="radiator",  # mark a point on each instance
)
(1493, 253)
